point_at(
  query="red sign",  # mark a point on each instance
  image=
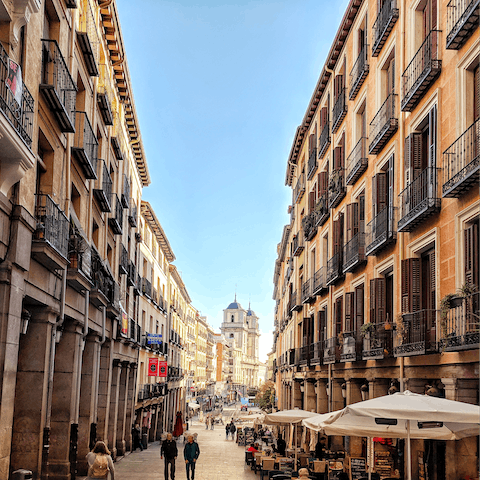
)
(152, 367)
(162, 369)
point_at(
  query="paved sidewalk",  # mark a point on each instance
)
(219, 459)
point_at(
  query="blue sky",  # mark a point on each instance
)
(220, 88)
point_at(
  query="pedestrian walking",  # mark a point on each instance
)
(227, 430)
(207, 418)
(212, 422)
(136, 438)
(191, 452)
(170, 452)
(232, 429)
(100, 463)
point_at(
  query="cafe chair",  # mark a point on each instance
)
(303, 461)
(268, 464)
(249, 458)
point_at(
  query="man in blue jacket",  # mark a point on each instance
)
(191, 451)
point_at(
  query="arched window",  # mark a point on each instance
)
(231, 335)
(233, 318)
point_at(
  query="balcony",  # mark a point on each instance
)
(105, 97)
(334, 269)
(460, 329)
(378, 343)
(312, 163)
(132, 214)
(317, 358)
(103, 195)
(359, 73)
(50, 239)
(131, 274)
(321, 209)
(416, 334)
(291, 357)
(320, 281)
(146, 287)
(295, 304)
(461, 163)
(304, 354)
(309, 226)
(383, 125)
(117, 139)
(113, 303)
(88, 40)
(102, 281)
(58, 87)
(421, 72)
(336, 187)
(80, 261)
(324, 141)
(339, 110)
(419, 200)
(351, 347)
(357, 162)
(354, 253)
(383, 25)
(16, 120)
(85, 145)
(116, 221)
(299, 189)
(462, 20)
(331, 353)
(307, 291)
(125, 197)
(298, 244)
(123, 261)
(381, 231)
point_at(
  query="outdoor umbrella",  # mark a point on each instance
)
(402, 415)
(288, 417)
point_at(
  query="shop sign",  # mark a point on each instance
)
(162, 369)
(152, 367)
(154, 338)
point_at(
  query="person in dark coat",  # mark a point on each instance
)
(281, 446)
(170, 452)
(136, 440)
(191, 452)
(227, 430)
(320, 449)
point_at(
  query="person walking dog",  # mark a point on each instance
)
(170, 451)
(191, 452)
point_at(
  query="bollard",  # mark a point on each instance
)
(22, 474)
(145, 440)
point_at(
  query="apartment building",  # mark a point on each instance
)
(383, 229)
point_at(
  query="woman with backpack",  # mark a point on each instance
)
(100, 463)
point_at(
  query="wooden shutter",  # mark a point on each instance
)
(359, 307)
(471, 255)
(476, 93)
(349, 311)
(338, 315)
(311, 200)
(323, 117)
(338, 234)
(322, 183)
(391, 190)
(410, 285)
(432, 127)
(337, 152)
(342, 151)
(380, 191)
(352, 220)
(321, 325)
(434, 14)
(378, 300)
(413, 157)
(311, 143)
(391, 77)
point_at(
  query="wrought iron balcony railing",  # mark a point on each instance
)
(460, 327)
(295, 303)
(317, 358)
(419, 200)
(291, 356)
(336, 187)
(339, 110)
(125, 196)
(359, 73)
(307, 291)
(322, 209)
(386, 18)
(416, 333)
(334, 268)
(103, 194)
(461, 163)
(146, 287)
(85, 145)
(105, 96)
(131, 274)
(383, 125)
(462, 20)
(350, 347)
(381, 231)
(357, 162)
(331, 353)
(378, 343)
(309, 226)
(123, 261)
(113, 302)
(116, 220)
(20, 116)
(299, 189)
(421, 72)
(132, 214)
(324, 140)
(312, 163)
(88, 39)
(320, 281)
(101, 279)
(52, 225)
(354, 253)
(80, 259)
(58, 87)
(304, 354)
(298, 244)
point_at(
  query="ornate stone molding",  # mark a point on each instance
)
(22, 10)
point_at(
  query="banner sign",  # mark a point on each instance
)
(14, 80)
(124, 323)
(152, 367)
(154, 338)
(162, 369)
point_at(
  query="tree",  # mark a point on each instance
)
(265, 397)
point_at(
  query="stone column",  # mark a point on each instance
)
(377, 387)
(32, 376)
(310, 398)
(103, 395)
(122, 408)
(354, 395)
(113, 408)
(336, 392)
(322, 398)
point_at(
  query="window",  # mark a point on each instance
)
(338, 316)
(232, 318)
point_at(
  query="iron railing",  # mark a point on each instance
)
(378, 343)
(104, 194)
(105, 95)
(322, 209)
(88, 38)
(298, 244)
(351, 346)
(307, 291)
(295, 302)
(125, 197)
(416, 333)
(324, 140)
(419, 200)
(386, 18)
(132, 213)
(420, 73)
(309, 226)
(462, 19)
(312, 163)
(131, 274)
(331, 351)
(357, 162)
(383, 125)
(339, 110)
(359, 72)
(381, 230)
(334, 268)
(336, 187)
(20, 115)
(320, 280)
(79, 252)
(299, 188)
(116, 221)
(51, 224)
(146, 287)
(123, 261)
(461, 162)
(318, 348)
(85, 145)
(354, 252)
(101, 277)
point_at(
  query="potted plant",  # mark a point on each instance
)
(366, 329)
(401, 328)
(445, 305)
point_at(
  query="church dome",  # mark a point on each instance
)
(234, 306)
(250, 313)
